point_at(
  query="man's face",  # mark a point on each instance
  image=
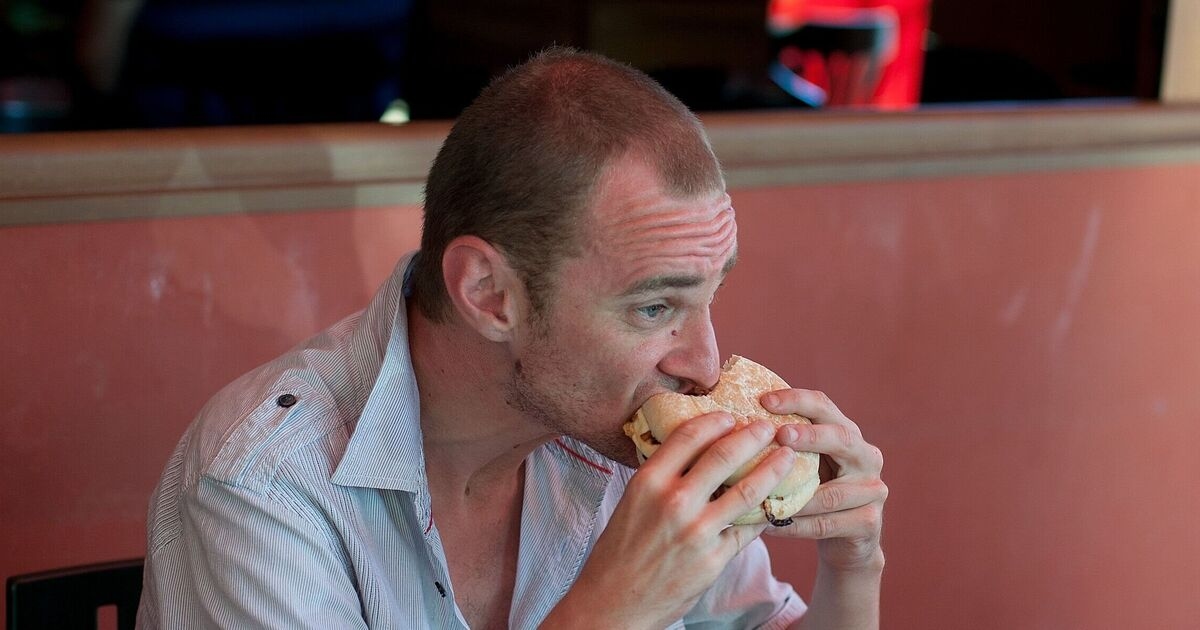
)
(629, 317)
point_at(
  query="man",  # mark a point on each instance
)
(452, 456)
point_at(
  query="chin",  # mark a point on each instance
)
(626, 457)
(615, 447)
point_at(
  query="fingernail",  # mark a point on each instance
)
(788, 434)
(770, 400)
(763, 429)
(785, 462)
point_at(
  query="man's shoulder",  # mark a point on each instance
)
(249, 429)
(245, 436)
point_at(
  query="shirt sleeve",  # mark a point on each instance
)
(238, 532)
(247, 559)
(747, 595)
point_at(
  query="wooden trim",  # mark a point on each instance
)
(138, 174)
(780, 150)
(135, 174)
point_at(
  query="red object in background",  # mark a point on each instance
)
(884, 73)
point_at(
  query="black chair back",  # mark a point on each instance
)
(68, 599)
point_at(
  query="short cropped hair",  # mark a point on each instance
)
(520, 163)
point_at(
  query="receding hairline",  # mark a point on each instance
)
(566, 116)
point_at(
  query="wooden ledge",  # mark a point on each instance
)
(777, 150)
(59, 177)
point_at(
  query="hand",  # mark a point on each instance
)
(846, 513)
(668, 540)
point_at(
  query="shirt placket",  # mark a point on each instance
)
(563, 493)
(439, 568)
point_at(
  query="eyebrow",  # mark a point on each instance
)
(658, 283)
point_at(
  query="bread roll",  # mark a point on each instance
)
(741, 384)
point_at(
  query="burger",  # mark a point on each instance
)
(741, 383)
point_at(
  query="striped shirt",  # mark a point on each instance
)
(298, 499)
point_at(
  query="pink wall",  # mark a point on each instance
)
(1023, 348)
(1025, 351)
(116, 333)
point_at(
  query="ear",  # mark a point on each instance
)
(485, 291)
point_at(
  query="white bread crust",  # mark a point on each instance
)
(741, 384)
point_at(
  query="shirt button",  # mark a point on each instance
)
(286, 400)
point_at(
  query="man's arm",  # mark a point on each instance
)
(232, 557)
(844, 598)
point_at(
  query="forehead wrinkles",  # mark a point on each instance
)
(674, 233)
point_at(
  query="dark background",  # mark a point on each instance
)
(268, 68)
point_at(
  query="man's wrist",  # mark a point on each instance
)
(566, 615)
(846, 595)
(866, 561)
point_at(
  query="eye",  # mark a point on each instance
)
(653, 311)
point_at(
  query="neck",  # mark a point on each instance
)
(475, 443)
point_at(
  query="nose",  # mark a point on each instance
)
(693, 361)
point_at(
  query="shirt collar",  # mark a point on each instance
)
(385, 450)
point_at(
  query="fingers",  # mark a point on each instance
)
(843, 443)
(736, 537)
(749, 493)
(680, 450)
(831, 433)
(843, 510)
(846, 513)
(703, 453)
(859, 524)
(840, 496)
(811, 404)
(728, 454)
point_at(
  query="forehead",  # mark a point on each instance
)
(636, 229)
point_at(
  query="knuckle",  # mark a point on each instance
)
(876, 458)
(823, 526)
(740, 536)
(874, 517)
(692, 540)
(724, 453)
(690, 431)
(822, 401)
(845, 436)
(832, 497)
(675, 503)
(643, 482)
(782, 461)
(748, 494)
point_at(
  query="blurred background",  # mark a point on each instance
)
(107, 64)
